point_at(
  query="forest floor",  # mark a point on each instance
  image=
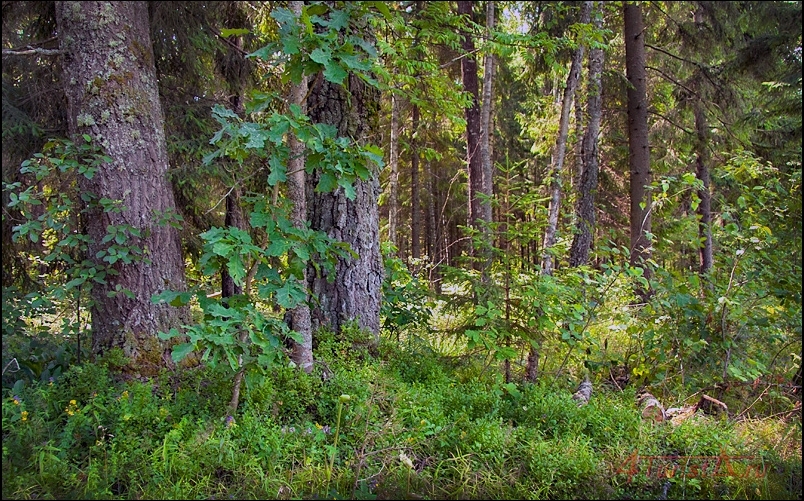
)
(411, 423)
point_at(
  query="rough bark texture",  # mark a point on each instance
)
(301, 353)
(470, 85)
(702, 172)
(355, 289)
(393, 165)
(560, 149)
(639, 151)
(415, 210)
(111, 89)
(587, 186)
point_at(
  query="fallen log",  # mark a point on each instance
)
(651, 407)
(583, 394)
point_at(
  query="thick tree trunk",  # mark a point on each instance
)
(301, 353)
(110, 83)
(415, 206)
(702, 172)
(587, 185)
(638, 146)
(393, 165)
(354, 292)
(470, 85)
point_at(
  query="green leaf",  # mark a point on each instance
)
(277, 248)
(237, 269)
(290, 294)
(348, 188)
(181, 350)
(321, 56)
(222, 249)
(326, 183)
(334, 73)
(228, 32)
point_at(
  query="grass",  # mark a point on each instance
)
(413, 427)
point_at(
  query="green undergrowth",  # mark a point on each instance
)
(411, 427)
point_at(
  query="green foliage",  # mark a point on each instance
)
(406, 299)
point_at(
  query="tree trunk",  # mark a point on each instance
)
(111, 88)
(470, 85)
(560, 149)
(639, 151)
(393, 164)
(587, 186)
(301, 353)
(487, 187)
(702, 172)
(354, 292)
(415, 216)
(557, 165)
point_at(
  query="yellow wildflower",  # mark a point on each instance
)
(25, 415)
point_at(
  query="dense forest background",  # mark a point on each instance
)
(493, 248)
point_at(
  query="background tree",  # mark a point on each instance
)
(587, 186)
(639, 150)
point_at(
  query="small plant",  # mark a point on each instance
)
(334, 449)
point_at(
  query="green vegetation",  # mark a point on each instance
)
(410, 426)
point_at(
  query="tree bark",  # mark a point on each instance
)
(487, 187)
(638, 146)
(470, 85)
(354, 292)
(415, 209)
(560, 149)
(111, 88)
(301, 353)
(393, 165)
(587, 186)
(702, 172)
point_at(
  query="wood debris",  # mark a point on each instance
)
(583, 394)
(651, 407)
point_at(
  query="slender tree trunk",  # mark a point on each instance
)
(110, 83)
(638, 146)
(587, 186)
(485, 147)
(393, 164)
(354, 292)
(555, 174)
(235, 76)
(470, 85)
(560, 149)
(415, 209)
(301, 353)
(702, 172)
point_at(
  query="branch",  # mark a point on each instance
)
(671, 122)
(28, 51)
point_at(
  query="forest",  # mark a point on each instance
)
(401, 250)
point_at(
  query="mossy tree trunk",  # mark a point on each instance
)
(111, 88)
